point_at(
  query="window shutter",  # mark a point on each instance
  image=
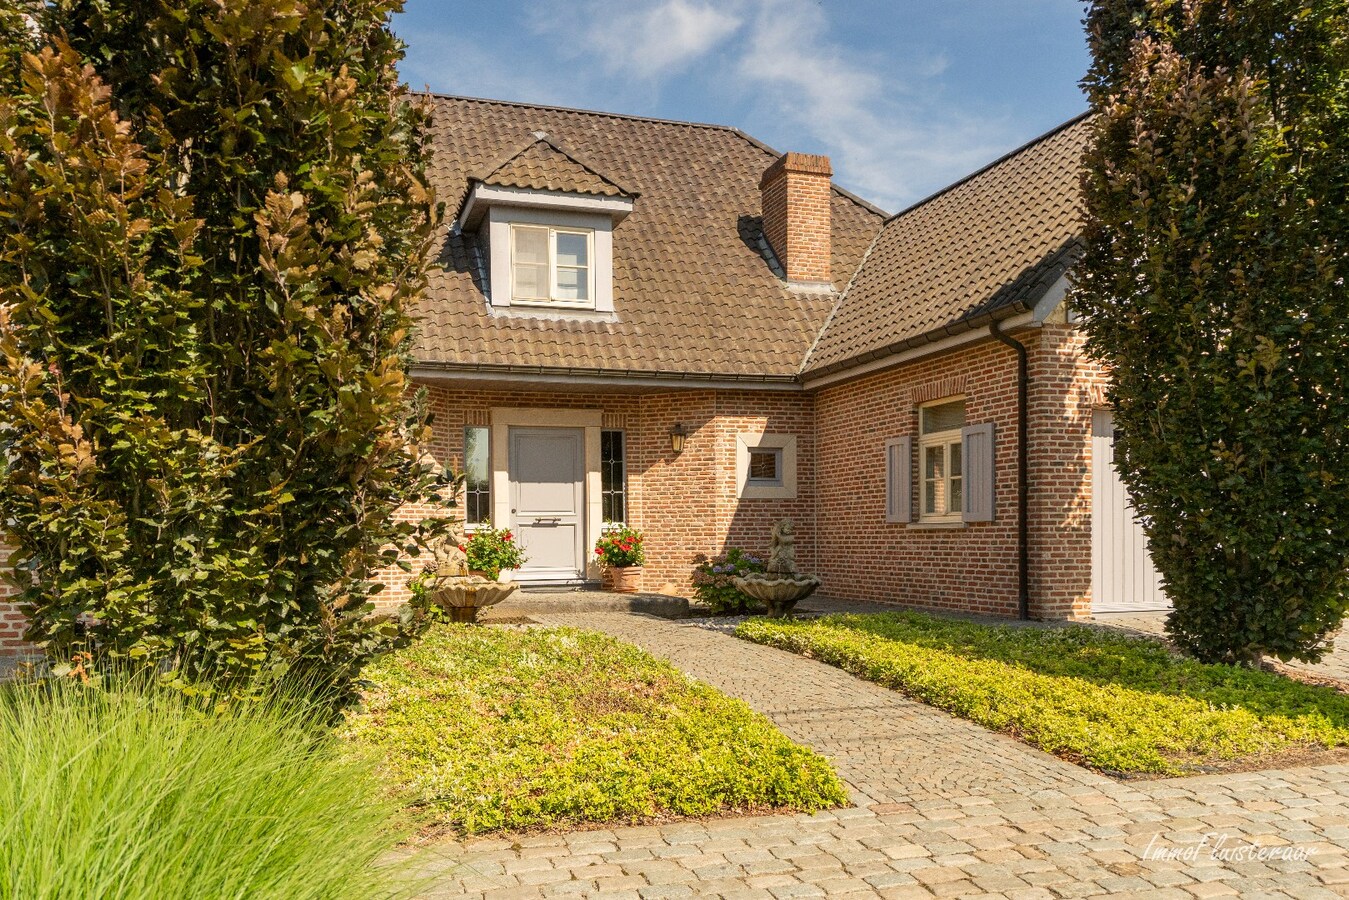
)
(899, 480)
(976, 451)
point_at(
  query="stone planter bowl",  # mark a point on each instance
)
(780, 593)
(463, 596)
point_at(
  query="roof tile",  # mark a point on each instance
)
(692, 291)
(993, 241)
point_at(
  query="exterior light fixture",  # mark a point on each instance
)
(677, 435)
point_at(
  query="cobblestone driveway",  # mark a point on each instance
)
(944, 808)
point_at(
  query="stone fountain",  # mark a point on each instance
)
(457, 592)
(780, 588)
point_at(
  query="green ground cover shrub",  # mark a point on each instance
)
(130, 791)
(1109, 701)
(490, 728)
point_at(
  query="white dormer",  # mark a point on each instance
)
(548, 222)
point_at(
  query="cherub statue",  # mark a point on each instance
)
(782, 549)
(448, 554)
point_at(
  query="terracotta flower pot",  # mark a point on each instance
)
(623, 579)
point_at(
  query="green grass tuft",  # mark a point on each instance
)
(489, 728)
(131, 791)
(1109, 701)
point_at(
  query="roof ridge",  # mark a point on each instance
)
(753, 141)
(1063, 126)
(576, 109)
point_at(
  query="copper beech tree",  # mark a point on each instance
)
(213, 223)
(1213, 285)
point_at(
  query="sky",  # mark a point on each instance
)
(905, 96)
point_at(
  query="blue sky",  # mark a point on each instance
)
(904, 95)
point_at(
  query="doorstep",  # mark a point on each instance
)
(536, 601)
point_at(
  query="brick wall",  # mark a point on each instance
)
(971, 567)
(13, 648)
(685, 504)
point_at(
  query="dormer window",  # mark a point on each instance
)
(546, 220)
(552, 266)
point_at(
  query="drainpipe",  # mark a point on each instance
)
(1022, 468)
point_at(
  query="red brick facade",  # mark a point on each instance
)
(688, 504)
(970, 567)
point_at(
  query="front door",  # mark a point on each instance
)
(547, 466)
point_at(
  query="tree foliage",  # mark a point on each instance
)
(212, 226)
(1213, 285)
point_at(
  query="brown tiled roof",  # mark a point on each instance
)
(987, 246)
(542, 165)
(693, 293)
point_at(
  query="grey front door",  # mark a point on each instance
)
(547, 468)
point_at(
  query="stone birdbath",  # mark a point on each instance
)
(781, 587)
(454, 590)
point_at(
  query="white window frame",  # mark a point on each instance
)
(501, 276)
(552, 232)
(951, 437)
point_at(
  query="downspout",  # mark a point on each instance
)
(1022, 468)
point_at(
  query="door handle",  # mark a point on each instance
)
(547, 520)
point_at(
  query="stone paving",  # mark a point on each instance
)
(943, 808)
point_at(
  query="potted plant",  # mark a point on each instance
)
(621, 558)
(491, 551)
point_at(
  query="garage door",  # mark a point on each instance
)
(1122, 576)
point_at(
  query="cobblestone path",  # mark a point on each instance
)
(943, 809)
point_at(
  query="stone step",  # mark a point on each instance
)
(529, 603)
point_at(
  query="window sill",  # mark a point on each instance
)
(552, 312)
(935, 526)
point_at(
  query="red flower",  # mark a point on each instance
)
(597, 549)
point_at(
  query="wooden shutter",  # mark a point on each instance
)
(899, 480)
(976, 453)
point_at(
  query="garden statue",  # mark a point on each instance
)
(780, 588)
(450, 586)
(782, 549)
(448, 554)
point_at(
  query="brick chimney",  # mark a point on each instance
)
(795, 194)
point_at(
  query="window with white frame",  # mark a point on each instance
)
(477, 476)
(552, 265)
(613, 478)
(940, 466)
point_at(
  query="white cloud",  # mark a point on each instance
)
(649, 41)
(888, 137)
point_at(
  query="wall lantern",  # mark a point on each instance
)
(677, 435)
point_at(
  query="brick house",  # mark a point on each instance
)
(673, 326)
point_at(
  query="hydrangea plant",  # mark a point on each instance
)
(713, 581)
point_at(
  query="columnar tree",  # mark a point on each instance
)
(213, 223)
(1213, 285)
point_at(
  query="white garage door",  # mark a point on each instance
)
(1122, 576)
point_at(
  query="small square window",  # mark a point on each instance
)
(765, 466)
